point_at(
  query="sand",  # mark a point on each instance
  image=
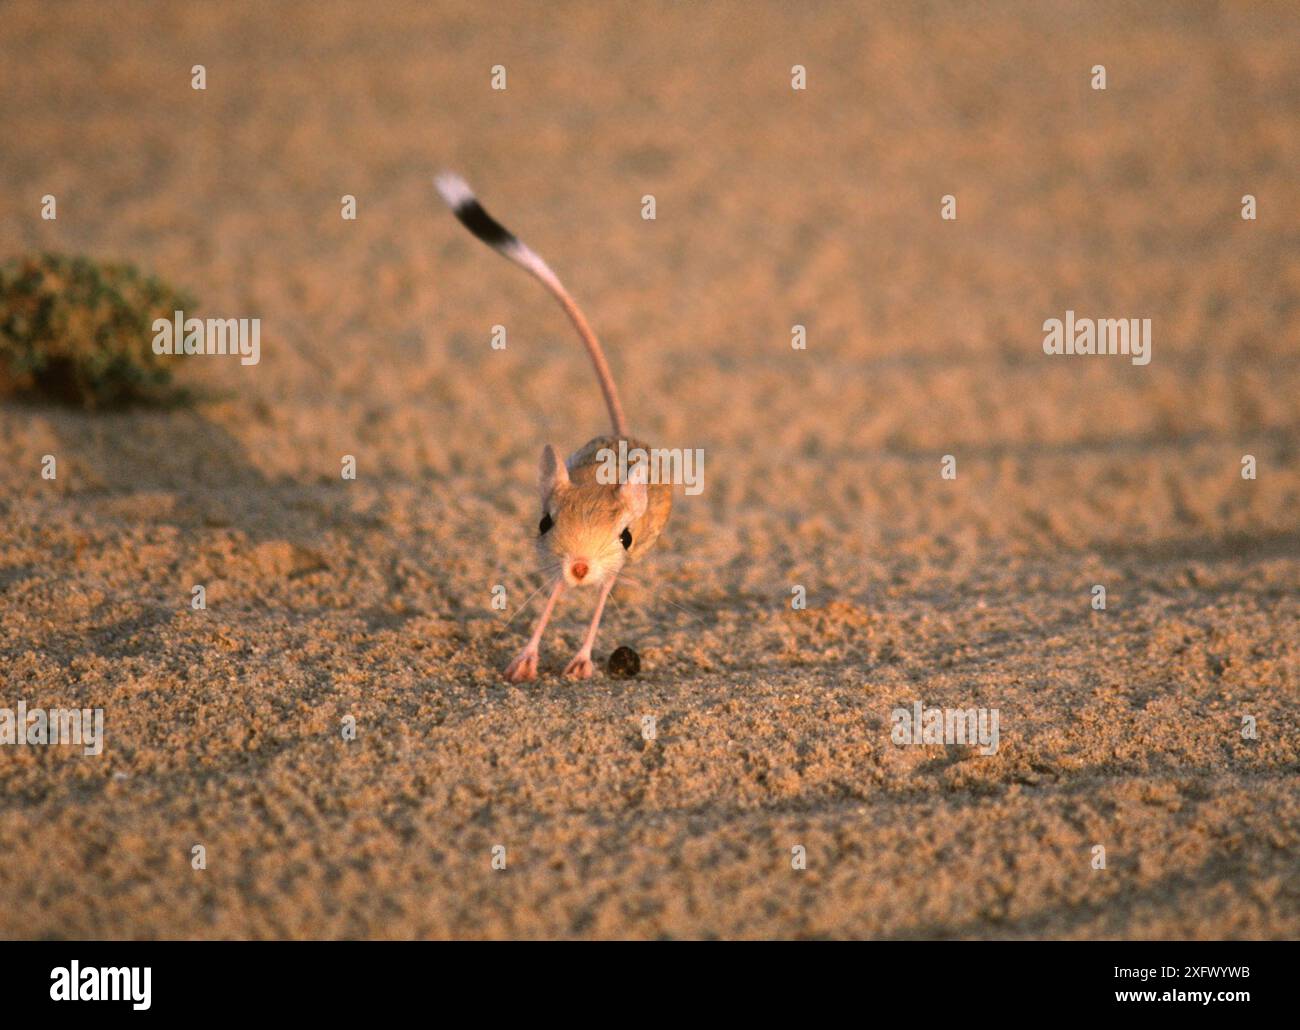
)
(370, 600)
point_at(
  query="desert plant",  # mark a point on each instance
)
(80, 332)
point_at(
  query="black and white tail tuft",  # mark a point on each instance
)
(465, 206)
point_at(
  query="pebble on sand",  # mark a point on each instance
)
(624, 663)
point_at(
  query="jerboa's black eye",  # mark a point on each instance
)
(625, 538)
(544, 526)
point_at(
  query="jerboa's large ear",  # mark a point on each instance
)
(634, 493)
(551, 473)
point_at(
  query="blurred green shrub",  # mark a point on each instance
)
(80, 332)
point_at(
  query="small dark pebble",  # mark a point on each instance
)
(624, 663)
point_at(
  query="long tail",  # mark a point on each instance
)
(460, 198)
